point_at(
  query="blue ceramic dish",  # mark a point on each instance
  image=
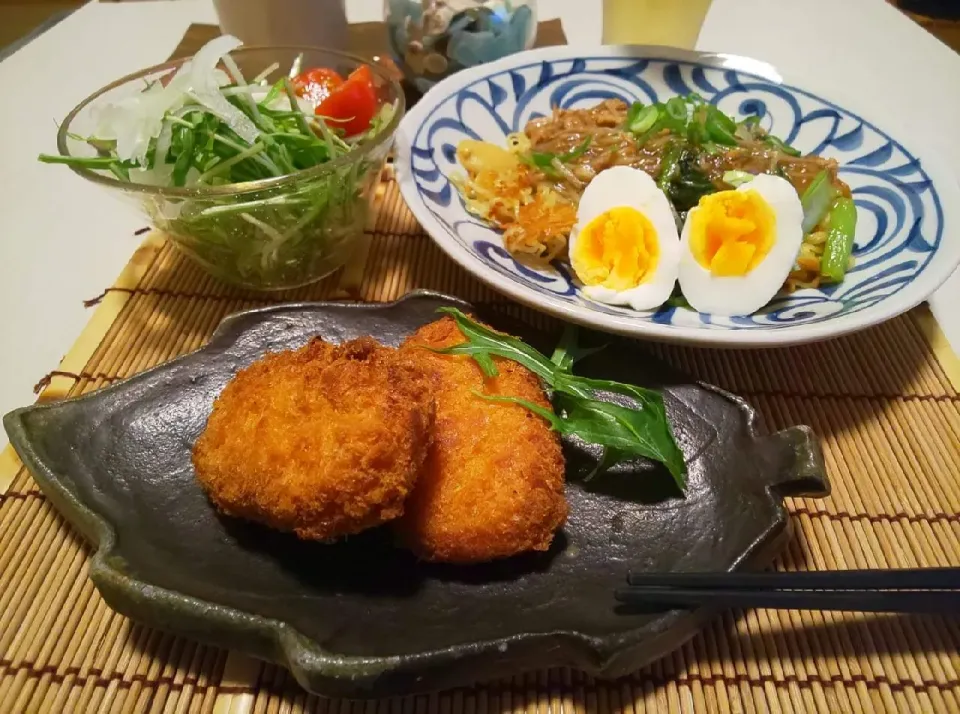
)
(907, 203)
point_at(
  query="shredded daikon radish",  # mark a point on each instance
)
(234, 70)
(262, 77)
(135, 120)
(203, 87)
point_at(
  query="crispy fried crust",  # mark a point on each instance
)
(493, 482)
(324, 441)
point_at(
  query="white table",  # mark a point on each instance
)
(62, 241)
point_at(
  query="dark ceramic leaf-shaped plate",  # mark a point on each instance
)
(362, 618)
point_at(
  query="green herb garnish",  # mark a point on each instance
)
(676, 115)
(701, 124)
(778, 144)
(719, 127)
(544, 160)
(641, 119)
(624, 432)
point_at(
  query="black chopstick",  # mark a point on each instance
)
(918, 591)
(899, 579)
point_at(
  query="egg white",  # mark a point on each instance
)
(732, 296)
(626, 186)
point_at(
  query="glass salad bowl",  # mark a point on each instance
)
(269, 197)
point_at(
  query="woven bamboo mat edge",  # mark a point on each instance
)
(90, 338)
(241, 673)
(937, 340)
(115, 298)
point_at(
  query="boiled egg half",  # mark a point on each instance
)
(738, 246)
(625, 247)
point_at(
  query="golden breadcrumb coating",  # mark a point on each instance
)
(324, 441)
(493, 483)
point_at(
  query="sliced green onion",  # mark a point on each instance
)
(718, 126)
(644, 120)
(778, 144)
(540, 160)
(577, 151)
(546, 161)
(670, 165)
(677, 115)
(697, 133)
(632, 113)
(737, 178)
(842, 228)
(816, 201)
(722, 119)
(718, 130)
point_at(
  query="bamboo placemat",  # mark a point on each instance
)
(882, 401)
(883, 404)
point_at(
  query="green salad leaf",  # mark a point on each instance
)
(641, 429)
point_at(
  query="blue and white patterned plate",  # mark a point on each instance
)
(906, 245)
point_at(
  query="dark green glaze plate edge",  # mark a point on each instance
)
(330, 674)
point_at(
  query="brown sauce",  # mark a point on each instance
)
(566, 129)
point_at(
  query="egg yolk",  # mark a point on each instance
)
(618, 249)
(732, 232)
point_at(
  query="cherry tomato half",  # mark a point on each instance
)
(316, 84)
(353, 104)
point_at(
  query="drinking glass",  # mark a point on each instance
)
(653, 22)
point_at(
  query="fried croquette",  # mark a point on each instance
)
(493, 483)
(324, 441)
